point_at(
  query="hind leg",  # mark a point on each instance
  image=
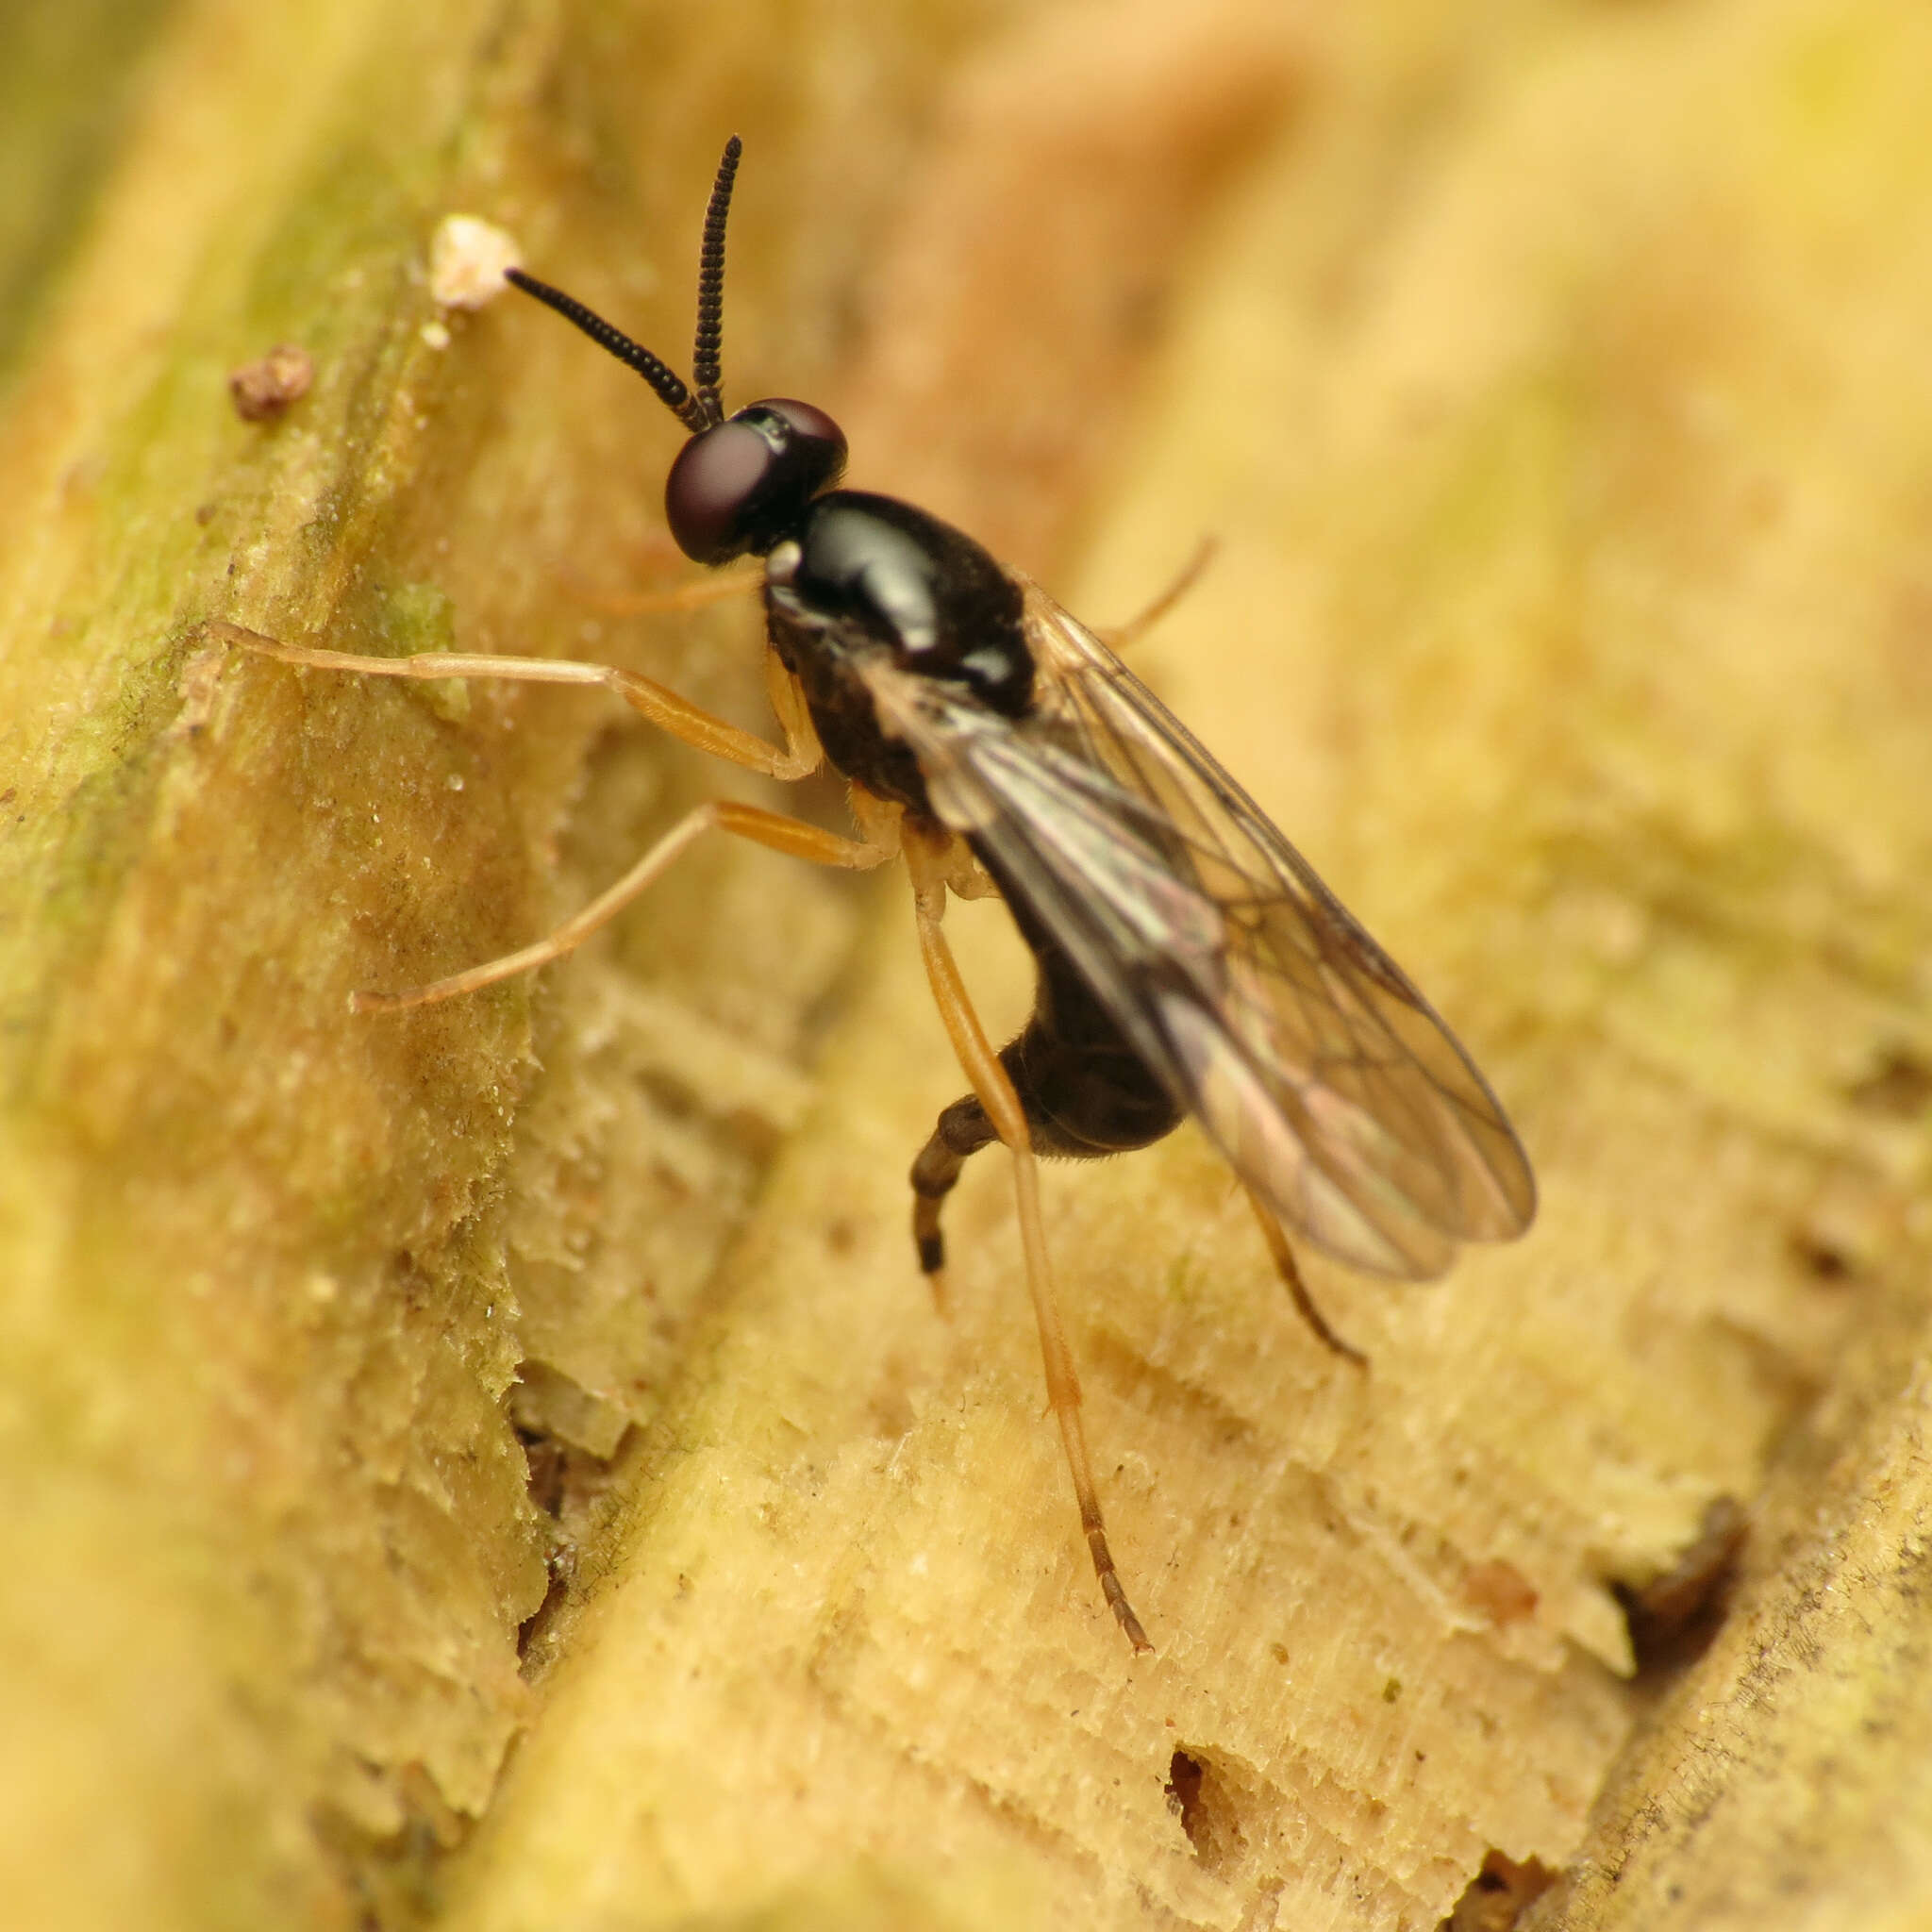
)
(961, 1131)
(1005, 1119)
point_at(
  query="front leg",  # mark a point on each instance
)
(797, 758)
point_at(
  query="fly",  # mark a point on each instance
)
(1189, 959)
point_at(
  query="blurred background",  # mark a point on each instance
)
(498, 1466)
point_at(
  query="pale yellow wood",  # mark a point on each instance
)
(1551, 381)
(1495, 424)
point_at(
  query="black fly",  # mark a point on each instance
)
(1190, 961)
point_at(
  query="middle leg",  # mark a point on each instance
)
(796, 838)
(1290, 1270)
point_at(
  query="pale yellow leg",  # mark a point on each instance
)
(988, 1080)
(690, 596)
(798, 759)
(791, 836)
(1290, 1270)
(1120, 636)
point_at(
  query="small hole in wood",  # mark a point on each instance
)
(1498, 1894)
(1202, 1798)
(1674, 1616)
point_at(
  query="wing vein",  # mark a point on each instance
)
(1304, 1051)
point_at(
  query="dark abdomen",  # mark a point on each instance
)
(1084, 1090)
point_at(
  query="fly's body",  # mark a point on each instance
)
(1190, 961)
(868, 584)
(872, 592)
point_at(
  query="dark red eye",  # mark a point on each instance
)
(740, 486)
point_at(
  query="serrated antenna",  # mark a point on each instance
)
(706, 370)
(698, 411)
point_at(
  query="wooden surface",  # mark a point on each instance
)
(1550, 381)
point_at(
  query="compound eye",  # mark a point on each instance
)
(808, 424)
(741, 485)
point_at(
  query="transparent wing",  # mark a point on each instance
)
(1266, 1010)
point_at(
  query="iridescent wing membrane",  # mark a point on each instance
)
(1243, 982)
